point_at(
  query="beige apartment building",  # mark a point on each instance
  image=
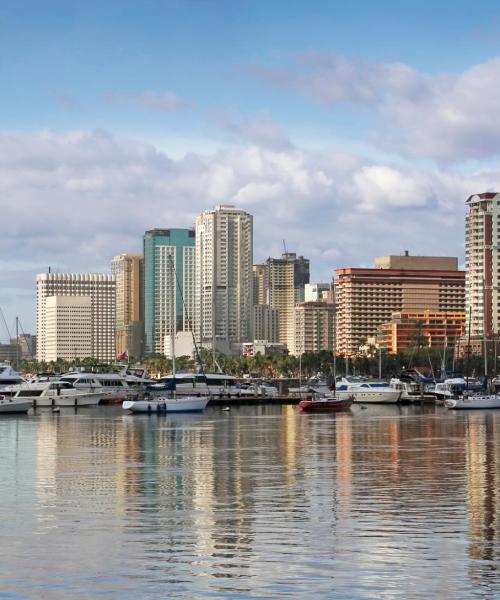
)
(314, 327)
(127, 270)
(265, 323)
(285, 281)
(101, 290)
(259, 284)
(224, 278)
(366, 298)
(68, 327)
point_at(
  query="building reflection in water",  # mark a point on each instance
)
(237, 499)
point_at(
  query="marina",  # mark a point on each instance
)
(261, 501)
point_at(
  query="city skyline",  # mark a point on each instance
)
(341, 122)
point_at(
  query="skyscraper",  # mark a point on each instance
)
(482, 235)
(285, 281)
(128, 272)
(223, 287)
(168, 284)
(102, 292)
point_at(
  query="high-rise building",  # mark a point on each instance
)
(223, 286)
(259, 284)
(128, 272)
(169, 258)
(366, 298)
(285, 281)
(102, 292)
(482, 260)
(68, 327)
(265, 323)
(314, 327)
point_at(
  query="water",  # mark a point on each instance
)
(259, 502)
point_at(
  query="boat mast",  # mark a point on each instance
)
(17, 343)
(379, 362)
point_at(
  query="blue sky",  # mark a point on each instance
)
(364, 126)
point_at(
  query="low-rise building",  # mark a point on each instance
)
(426, 328)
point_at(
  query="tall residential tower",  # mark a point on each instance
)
(168, 285)
(223, 286)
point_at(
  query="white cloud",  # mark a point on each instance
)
(74, 199)
(261, 131)
(446, 117)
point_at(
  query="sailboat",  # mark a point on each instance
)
(173, 403)
(474, 399)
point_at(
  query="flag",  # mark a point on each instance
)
(123, 356)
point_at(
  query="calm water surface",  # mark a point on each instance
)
(259, 502)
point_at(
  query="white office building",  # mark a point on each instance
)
(68, 327)
(224, 280)
(100, 288)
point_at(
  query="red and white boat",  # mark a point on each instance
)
(328, 403)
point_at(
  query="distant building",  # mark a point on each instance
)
(259, 284)
(482, 260)
(263, 347)
(266, 323)
(101, 290)
(318, 292)
(9, 352)
(366, 298)
(285, 281)
(426, 328)
(184, 345)
(314, 327)
(128, 272)
(169, 259)
(68, 327)
(224, 278)
(27, 345)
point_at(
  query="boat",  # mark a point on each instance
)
(473, 401)
(198, 384)
(314, 385)
(9, 380)
(10, 405)
(410, 391)
(456, 386)
(166, 405)
(113, 387)
(57, 393)
(366, 391)
(321, 402)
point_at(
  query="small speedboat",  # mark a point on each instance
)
(9, 405)
(473, 401)
(328, 403)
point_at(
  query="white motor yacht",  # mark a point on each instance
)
(57, 393)
(473, 401)
(10, 405)
(410, 390)
(167, 405)
(367, 391)
(112, 386)
(197, 384)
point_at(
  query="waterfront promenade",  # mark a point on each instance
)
(259, 502)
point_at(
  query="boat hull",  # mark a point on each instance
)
(329, 404)
(11, 406)
(166, 405)
(372, 396)
(74, 400)
(473, 402)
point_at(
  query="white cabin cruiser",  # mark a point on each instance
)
(10, 405)
(57, 393)
(197, 384)
(367, 391)
(112, 386)
(473, 401)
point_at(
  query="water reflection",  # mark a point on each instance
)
(258, 502)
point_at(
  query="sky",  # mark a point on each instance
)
(348, 129)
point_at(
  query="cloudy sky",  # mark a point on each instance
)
(351, 129)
